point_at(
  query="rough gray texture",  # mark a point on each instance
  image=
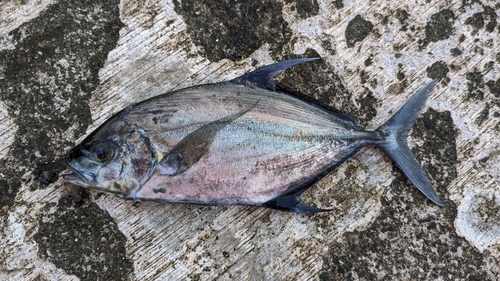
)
(357, 30)
(67, 66)
(406, 242)
(439, 27)
(53, 69)
(231, 29)
(47, 81)
(80, 239)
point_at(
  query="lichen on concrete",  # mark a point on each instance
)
(439, 27)
(305, 8)
(479, 218)
(438, 69)
(407, 241)
(494, 87)
(436, 135)
(357, 29)
(46, 83)
(486, 19)
(233, 30)
(84, 241)
(475, 85)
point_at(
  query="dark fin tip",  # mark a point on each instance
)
(265, 76)
(292, 203)
(303, 208)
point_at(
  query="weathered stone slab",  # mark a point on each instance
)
(67, 66)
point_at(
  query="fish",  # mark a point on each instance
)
(246, 141)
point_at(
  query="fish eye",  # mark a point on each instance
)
(101, 152)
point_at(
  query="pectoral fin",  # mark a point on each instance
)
(192, 147)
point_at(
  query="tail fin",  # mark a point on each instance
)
(394, 144)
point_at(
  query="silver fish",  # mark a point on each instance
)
(236, 142)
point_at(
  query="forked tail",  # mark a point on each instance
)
(394, 144)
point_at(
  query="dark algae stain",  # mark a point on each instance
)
(357, 30)
(232, 29)
(366, 109)
(438, 152)
(483, 116)
(305, 8)
(47, 82)
(476, 20)
(48, 174)
(320, 82)
(402, 16)
(84, 241)
(488, 66)
(439, 27)
(475, 85)
(406, 242)
(369, 61)
(494, 87)
(438, 69)
(411, 240)
(486, 19)
(491, 18)
(8, 190)
(456, 52)
(400, 75)
(339, 4)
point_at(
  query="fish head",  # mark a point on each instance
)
(116, 158)
(96, 165)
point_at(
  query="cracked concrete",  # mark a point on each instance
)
(67, 67)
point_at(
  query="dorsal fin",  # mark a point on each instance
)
(265, 76)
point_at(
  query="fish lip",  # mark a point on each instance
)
(76, 177)
(72, 177)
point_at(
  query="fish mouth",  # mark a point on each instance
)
(77, 178)
(72, 178)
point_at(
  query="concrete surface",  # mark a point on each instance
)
(66, 66)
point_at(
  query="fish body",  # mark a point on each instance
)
(237, 142)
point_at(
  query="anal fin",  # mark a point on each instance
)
(292, 203)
